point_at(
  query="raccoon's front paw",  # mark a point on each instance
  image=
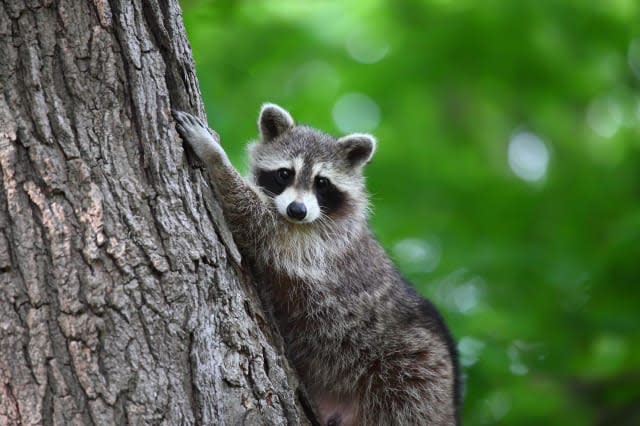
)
(197, 135)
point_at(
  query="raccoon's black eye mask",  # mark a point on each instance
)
(330, 199)
(275, 181)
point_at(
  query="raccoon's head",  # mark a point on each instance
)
(311, 177)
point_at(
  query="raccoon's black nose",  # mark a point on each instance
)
(297, 211)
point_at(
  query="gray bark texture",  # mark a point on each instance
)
(121, 296)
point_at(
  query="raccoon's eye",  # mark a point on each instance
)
(283, 176)
(322, 183)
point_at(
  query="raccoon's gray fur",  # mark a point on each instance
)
(368, 348)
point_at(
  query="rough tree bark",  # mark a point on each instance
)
(120, 296)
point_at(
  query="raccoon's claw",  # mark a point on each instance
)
(186, 124)
(197, 135)
(185, 117)
(190, 127)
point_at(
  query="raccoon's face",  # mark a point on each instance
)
(309, 175)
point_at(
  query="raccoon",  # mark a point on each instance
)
(368, 348)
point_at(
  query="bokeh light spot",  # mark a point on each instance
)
(633, 57)
(312, 77)
(516, 366)
(528, 156)
(417, 255)
(465, 297)
(356, 112)
(469, 349)
(366, 48)
(605, 116)
(497, 405)
(460, 293)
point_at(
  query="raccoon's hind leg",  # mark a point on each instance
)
(410, 388)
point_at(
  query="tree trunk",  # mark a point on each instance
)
(121, 299)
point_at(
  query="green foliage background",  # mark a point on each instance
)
(539, 279)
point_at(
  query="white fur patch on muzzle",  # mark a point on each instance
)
(307, 198)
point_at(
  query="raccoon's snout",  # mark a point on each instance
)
(297, 205)
(296, 210)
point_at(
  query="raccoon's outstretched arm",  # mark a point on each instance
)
(241, 202)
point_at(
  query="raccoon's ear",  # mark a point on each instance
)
(357, 148)
(273, 121)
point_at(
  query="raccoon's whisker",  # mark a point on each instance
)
(327, 225)
(325, 219)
